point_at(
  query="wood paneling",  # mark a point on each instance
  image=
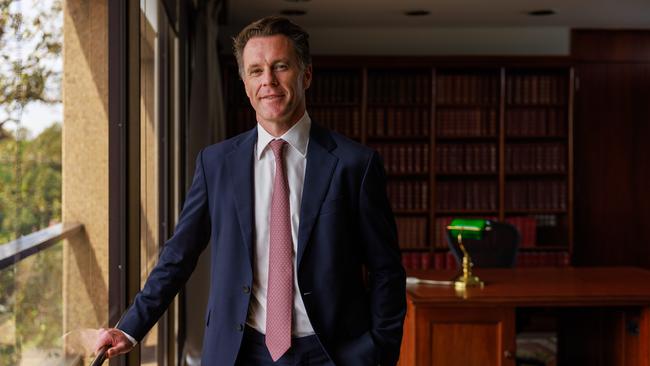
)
(611, 45)
(612, 135)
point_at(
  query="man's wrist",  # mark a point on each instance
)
(128, 336)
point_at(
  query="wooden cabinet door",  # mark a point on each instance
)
(472, 336)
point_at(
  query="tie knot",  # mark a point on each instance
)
(277, 147)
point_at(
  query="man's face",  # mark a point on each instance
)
(274, 80)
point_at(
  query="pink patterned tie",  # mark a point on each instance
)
(279, 300)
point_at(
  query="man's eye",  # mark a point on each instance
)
(281, 66)
(255, 72)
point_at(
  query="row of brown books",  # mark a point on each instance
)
(402, 88)
(331, 87)
(466, 195)
(546, 220)
(466, 122)
(535, 122)
(543, 259)
(466, 158)
(404, 158)
(440, 241)
(398, 122)
(536, 158)
(408, 194)
(445, 260)
(346, 121)
(425, 260)
(412, 232)
(536, 195)
(536, 89)
(467, 89)
(527, 227)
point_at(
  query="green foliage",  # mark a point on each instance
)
(30, 173)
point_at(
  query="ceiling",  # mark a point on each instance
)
(448, 13)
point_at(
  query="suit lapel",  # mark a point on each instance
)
(240, 165)
(318, 174)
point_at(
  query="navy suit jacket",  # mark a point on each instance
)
(346, 229)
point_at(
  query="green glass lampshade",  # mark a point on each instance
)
(468, 228)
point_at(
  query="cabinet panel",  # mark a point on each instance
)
(465, 337)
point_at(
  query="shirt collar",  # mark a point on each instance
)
(297, 136)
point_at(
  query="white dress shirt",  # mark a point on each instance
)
(295, 161)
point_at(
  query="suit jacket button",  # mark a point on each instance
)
(240, 327)
(246, 289)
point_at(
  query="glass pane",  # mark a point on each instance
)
(31, 310)
(31, 115)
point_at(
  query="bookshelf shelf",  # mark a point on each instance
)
(484, 139)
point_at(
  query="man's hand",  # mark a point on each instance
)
(115, 339)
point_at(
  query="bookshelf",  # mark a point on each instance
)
(483, 139)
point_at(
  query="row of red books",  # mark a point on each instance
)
(447, 261)
(527, 227)
(536, 122)
(404, 158)
(346, 121)
(467, 89)
(466, 122)
(408, 195)
(403, 88)
(467, 195)
(398, 122)
(426, 260)
(529, 158)
(466, 158)
(536, 89)
(547, 195)
(334, 88)
(412, 232)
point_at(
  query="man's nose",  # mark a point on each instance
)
(269, 77)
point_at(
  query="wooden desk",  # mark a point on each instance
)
(445, 329)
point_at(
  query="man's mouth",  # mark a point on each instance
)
(272, 97)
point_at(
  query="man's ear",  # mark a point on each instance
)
(306, 77)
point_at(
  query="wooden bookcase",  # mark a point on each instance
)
(474, 139)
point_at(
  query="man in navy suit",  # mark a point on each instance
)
(342, 273)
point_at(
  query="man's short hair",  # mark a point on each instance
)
(270, 26)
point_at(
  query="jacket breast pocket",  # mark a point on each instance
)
(332, 206)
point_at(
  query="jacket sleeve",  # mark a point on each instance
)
(177, 260)
(387, 278)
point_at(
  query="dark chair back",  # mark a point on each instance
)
(497, 249)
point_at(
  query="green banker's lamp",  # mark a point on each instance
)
(468, 229)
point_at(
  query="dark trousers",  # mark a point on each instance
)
(304, 351)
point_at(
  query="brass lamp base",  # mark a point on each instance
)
(462, 282)
(467, 279)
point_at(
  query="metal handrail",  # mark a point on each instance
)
(21, 248)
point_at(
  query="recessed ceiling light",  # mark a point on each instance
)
(293, 12)
(541, 12)
(416, 13)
